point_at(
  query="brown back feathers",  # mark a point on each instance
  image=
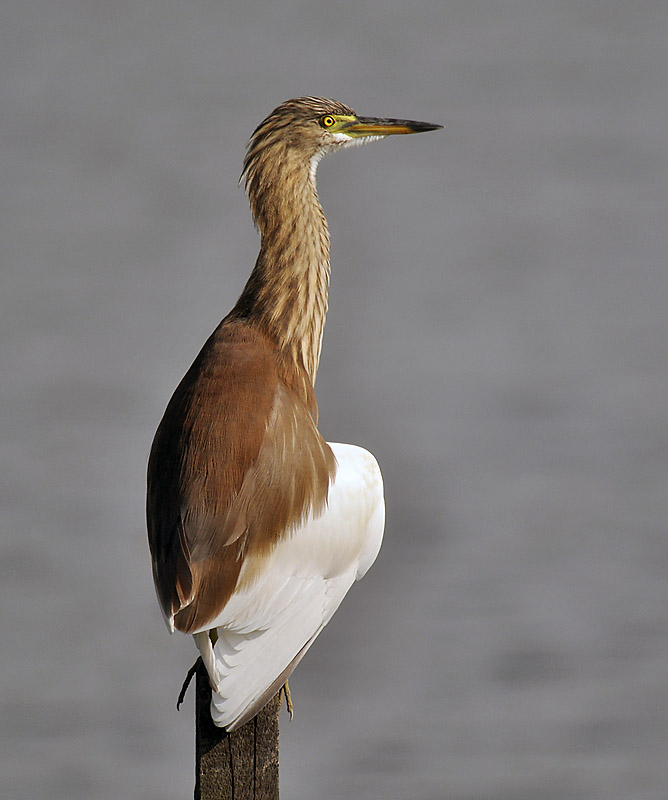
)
(236, 464)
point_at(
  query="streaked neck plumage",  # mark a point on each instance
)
(286, 293)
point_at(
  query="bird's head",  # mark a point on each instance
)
(302, 130)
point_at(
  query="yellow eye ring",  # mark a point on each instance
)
(327, 121)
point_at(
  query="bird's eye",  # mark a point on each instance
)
(327, 121)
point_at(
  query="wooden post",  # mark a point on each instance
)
(235, 766)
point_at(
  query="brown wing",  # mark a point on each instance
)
(237, 462)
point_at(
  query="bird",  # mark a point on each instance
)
(257, 526)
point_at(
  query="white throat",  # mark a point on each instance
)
(340, 140)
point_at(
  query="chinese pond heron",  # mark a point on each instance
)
(257, 526)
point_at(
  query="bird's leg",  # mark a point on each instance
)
(186, 682)
(204, 642)
(288, 700)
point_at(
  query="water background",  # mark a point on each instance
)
(497, 337)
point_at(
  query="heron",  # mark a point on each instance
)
(257, 526)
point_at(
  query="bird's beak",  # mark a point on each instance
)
(374, 126)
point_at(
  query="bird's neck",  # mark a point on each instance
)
(286, 294)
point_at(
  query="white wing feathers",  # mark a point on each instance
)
(284, 602)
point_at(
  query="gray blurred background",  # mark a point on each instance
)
(497, 337)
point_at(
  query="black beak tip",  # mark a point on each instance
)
(422, 127)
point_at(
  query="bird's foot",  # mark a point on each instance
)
(186, 682)
(288, 700)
